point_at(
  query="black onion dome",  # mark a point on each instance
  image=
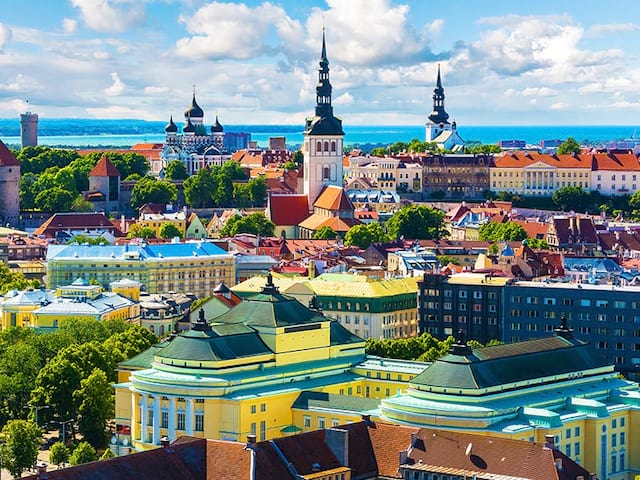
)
(189, 128)
(217, 127)
(171, 127)
(194, 111)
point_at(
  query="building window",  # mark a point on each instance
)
(180, 421)
(164, 419)
(253, 409)
(199, 423)
(321, 422)
(307, 421)
(263, 407)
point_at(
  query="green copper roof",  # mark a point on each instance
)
(207, 346)
(505, 364)
(270, 308)
(341, 336)
(144, 359)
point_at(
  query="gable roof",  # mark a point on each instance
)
(75, 221)
(333, 198)
(104, 168)
(7, 159)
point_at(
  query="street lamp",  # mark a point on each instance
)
(36, 408)
(64, 425)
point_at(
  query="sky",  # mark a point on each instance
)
(503, 62)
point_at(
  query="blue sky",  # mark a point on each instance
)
(503, 62)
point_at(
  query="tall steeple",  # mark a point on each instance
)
(439, 115)
(323, 136)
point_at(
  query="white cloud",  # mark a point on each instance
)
(100, 16)
(611, 28)
(381, 34)
(225, 30)
(21, 84)
(116, 88)
(5, 35)
(539, 92)
(345, 99)
(101, 55)
(69, 25)
(155, 90)
(435, 28)
(559, 106)
(119, 111)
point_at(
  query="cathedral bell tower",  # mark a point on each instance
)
(323, 137)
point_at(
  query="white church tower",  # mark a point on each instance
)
(323, 137)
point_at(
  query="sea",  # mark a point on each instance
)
(83, 133)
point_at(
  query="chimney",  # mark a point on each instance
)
(414, 437)
(367, 420)
(550, 442)
(338, 442)
(164, 442)
(41, 467)
(315, 467)
(251, 441)
(403, 457)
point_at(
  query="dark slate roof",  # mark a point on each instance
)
(516, 362)
(171, 126)
(348, 403)
(217, 127)
(207, 345)
(326, 125)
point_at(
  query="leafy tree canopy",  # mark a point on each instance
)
(570, 145)
(571, 197)
(137, 230)
(496, 232)
(151, 190)
(325, 233)
(176, 170)
(255, 223)
(416, 222)
(364, 235)
(83, 453)
(169, 230)
(20, 451)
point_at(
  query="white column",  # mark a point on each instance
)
(172, 418)
(156, 420)
(189, 419)
(143, 417)
(134, 416)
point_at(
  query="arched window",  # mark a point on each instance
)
(152, 329)
(333, 146)
(326, 146)
(319, 146)
(325, 173)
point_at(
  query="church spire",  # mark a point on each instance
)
(323, 89)
(439, 115)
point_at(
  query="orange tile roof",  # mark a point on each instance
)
(617, 161)
(317, 221)
(333, 198)
(104, 168)
(388, 441)
(7, 159)
(526, 159)
(227, 460)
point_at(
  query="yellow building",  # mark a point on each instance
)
(156, 220)
(246, 372)
(45, 309)
(191, 267)
(556, 386)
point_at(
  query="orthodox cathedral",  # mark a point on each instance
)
(197, 146)
(438, 128)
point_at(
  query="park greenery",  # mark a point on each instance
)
(364, 235)
(325, 233)
(69, 370)
(497, 232)
(254, 223)
(417, 222)
(53, 179)
(418, 146)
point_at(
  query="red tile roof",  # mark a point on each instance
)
(387, 442)
(7, 159)
(104, 168)
(305, 449)
(525, 159)
(285, 210)
(76, 221)
(614, 161)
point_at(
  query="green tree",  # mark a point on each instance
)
(95, 405)
(58, 454)
(325, 233)
(255, 223)
(198, 188)
(55, 199)
(82, 205)
(83, 239)
(126, 163)
(83, 453)
(496, 232)
(483, 148)
(537, 243)
(169, 230)
(258, 191)
(19, 366)
(297, 157)
(28, 190)
(571, 197)
(13, 280)
(107, 454)
(151, 190)
(137, 230)
(570, 145)
(290, 165)
(446, 260)
(364, 235)
(416, 222)
(20, 451)
(176, 170)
